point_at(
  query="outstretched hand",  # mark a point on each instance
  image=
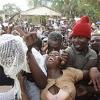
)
(30, 39)
(64, 57)
(95, 78)
(19, 29)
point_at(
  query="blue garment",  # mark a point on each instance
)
(32, 90)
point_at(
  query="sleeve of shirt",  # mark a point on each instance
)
(92, 54)
(40, 60)
(77, 74)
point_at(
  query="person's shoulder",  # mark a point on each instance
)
(76, 74)
(92, 54)
(70, 69)
(91, 51)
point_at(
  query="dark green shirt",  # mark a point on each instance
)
(79, 59)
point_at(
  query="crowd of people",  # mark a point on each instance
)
(50, 64)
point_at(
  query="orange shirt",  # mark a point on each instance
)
(65, 83)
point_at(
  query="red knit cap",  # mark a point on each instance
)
(82, 28)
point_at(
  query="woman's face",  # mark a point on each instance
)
(53, 59)
(80, 43)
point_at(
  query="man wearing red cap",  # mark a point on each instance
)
(82, 57)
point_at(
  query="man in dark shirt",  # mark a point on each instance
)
(79, 55)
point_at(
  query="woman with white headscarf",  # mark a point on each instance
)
(13, 59)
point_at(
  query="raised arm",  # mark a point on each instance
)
(37, 73)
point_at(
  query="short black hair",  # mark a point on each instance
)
(55, 36)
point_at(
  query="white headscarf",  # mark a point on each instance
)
(12, 54)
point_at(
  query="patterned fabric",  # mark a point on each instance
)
(12, 54)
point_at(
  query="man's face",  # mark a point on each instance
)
(53, 45)
(80, 43)
(95, 42)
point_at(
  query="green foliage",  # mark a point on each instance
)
(72, 8)
(58, 5)
(10, 9)
(36, 3)
(90, 9)
(31, 3)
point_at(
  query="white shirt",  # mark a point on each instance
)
(40, 60)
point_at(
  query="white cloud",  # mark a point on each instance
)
(22, 4)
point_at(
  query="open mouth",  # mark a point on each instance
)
(51, 59)
(77, 44)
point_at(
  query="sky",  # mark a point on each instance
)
(22, 4)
